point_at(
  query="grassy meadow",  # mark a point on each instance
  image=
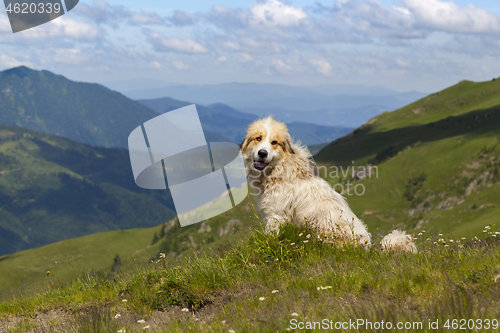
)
(269, 283)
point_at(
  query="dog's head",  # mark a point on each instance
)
(267, 142)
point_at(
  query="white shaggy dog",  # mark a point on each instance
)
(284, 180)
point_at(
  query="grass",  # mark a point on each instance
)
(264, 281)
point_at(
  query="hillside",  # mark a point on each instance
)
(84, 112)
(287, 282)
(437, 160)
(231, 123)
(53, 188)
(68, 258)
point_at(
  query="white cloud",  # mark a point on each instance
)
(163, 44)
(275, 13)
(144, 17)
(282, 67)
(155, 64)
(69, 57)
(9, 62)
(322, 66)
(180, 65)
(448, 16)
(74, 29)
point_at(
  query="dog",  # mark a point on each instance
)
(286, 183)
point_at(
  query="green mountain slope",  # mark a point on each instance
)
(437, 163)
(69, 258)
(53, 188)
(85, 112)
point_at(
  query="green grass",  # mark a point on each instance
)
(223, 289)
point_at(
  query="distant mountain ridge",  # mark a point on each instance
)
(327, 105)
(231, 123)
(85, 112)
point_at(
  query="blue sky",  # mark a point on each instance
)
(423, 45)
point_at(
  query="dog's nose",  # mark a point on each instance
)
(262, 153)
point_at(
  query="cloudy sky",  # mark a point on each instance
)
(423, 45)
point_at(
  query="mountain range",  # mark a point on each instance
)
(328, 105)
(93, 114)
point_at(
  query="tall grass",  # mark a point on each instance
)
(264, 281)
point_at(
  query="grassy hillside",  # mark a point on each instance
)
(53, 188)
(277, 283)
(438, 163)
(96, 252)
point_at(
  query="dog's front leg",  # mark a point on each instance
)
(273, 223)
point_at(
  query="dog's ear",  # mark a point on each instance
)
(288, 147)
(244, 144)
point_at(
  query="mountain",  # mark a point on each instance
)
(85, 112)
(231, 123)
(435, 163)
(330, 105)
(53, 188)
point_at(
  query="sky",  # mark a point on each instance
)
(422, 45)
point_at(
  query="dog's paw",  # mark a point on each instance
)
(273, 224)
(398, 240)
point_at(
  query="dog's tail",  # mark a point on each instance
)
(398, 240)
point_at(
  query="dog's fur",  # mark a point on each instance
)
(285, 181)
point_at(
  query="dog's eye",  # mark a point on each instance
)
(259, 138)
(274, 143)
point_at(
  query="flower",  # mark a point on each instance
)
(162, 255)
(487, 227)
(295, 314)
(323, 288)
(261, 298)
(117, 315)
(419, 234)
(231, 331)
(185, 310)
(308, 236)
(440, 235)
(306, 241)
(300, 234)
(124, 300)
(145, 327)
(292, 243)
(141, 321)
(274, 291)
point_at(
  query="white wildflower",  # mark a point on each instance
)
(308, 236)
(162, 255)
(117, 316)
(231, 331)
(274, 291)
(292, 243)
(323, 288)
(487, 227)
(261, 298)
(185, 310)
(300, 234)
(145, 327)
(306, 241)
(295, 314)
(141, 321)
(419, 234)
(124, 300)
